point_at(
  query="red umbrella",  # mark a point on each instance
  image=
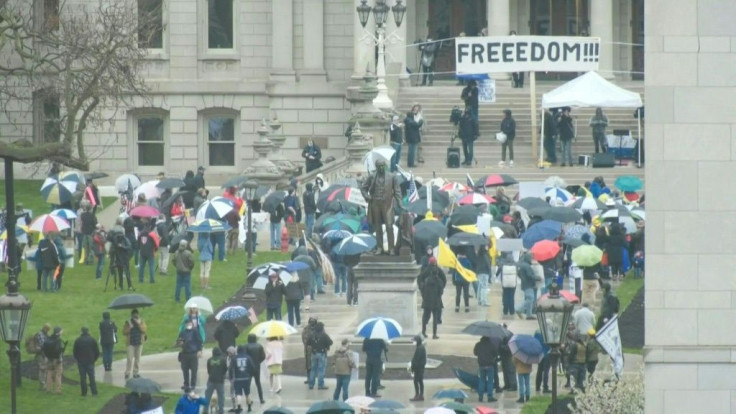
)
(485, 410)
(494, 180)
(545, 250)
(476, 198)
(144, 211)
(569, 296)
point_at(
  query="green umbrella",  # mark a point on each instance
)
(587, 255)
(338, 221)
(628, 183)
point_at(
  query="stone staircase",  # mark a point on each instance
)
(438, 101)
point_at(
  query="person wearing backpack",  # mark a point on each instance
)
(508, 276)
(86, 352)
(241, 372)
(108, 339)
(321, 343)
(53, 350)
(147, 251)
(34, 346)
(431, 283)
(343, 364)
(49, 261)
(184, 263)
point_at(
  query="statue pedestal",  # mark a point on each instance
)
(387, 286)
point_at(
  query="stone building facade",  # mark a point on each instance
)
(219, 67)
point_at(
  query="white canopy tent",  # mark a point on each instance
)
(590, 90)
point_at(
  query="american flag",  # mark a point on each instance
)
(412, 194)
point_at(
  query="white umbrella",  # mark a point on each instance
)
(148, 189)
(384, 152)
(202, 303)
(126, 181)
(262, 281)
(217, 208)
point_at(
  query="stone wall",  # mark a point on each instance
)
(691, 247)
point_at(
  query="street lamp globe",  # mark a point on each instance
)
(553, 315)
(380, 12)
(14, 311)
(249, 189)
(399, 10)
(364, 11)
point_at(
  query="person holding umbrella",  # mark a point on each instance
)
(134, 330)
(431, 283)
(374, 348)
(196, 318)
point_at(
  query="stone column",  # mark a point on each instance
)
(314, 41)
(364, 55)
(497, 12)
(282, 38)
(601, 25)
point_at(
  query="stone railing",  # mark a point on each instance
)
(333, 171)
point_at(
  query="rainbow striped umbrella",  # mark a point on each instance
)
(48, 224)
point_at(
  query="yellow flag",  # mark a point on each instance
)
(492, 252)
(468, 228)
(446, 258)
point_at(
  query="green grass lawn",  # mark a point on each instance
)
(537, 405)
(627, 290)
(82, 301)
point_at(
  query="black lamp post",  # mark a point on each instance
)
(14, 307)
(553, 315)
(250, 188)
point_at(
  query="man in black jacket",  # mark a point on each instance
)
(225, 335)
(275, 292)
(412, 129)
(310, 208)
(320, 343)
(277, 216)
(469, 95)
(486, 353)
(258, 355)
(468, 132)
(108, 338)
(191, 350)
(86, 353)
(312, 155)
(49, 261)
(53, 350)
(216, 371)
(199, 178)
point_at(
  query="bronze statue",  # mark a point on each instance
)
(380, 190)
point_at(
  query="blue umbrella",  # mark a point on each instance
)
(330, 407)
(356, 244)
(379, 328)
(543, 230)
(208, 226)
(231, 313)
(296, 265)
(217, 208)
(526, 348)
(64, 213)
(337, 234)
(628, 183)
(451, 394)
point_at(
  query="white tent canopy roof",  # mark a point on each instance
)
(591, 90)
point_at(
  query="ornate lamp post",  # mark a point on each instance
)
(380, 15)
(553, 315)
(250, 188)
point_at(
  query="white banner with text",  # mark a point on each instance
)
(526, 54)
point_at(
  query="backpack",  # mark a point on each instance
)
(508, 277)
(32, 344)
(52, 348)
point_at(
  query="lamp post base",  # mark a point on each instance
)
(382, 101)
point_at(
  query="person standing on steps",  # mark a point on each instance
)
(374, 350)
(257, 354)
(320, 343)
(431, 283)
(413, 126)
(397, 139)
(344, 364)
(312, 155)
(428, 50)
(567, 133)
(108, 339)
(483, 271)
(598, 123)
(486, 353)
(469, 95)
(86, 353)
(468, 131)
(418, 363)
(462, 286)
(528, 286)
(508, 127)
(550, 133)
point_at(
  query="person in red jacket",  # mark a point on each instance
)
(233, 218)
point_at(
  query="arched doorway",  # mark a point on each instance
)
(559, 18)
(448, 19)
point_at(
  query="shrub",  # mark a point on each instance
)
(611, 396)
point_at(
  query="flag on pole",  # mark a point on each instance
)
(469, 180)
(429, 198)
(412, 194)
(610, 340)
(446, 258)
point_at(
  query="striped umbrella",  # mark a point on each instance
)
(217, 208)
(266, 269)
(64, 213)
(20, 230)
(476, 198)
(262, 281)
(357, 244)
(555, 193)
(494, 180)
(47, 223)
(379, 328)
(588, 203)
(336, 234)
(59, 189)
(453, 187)
(208, 226)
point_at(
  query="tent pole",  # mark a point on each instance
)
(533, 106)
(638, 124)
(541, 143)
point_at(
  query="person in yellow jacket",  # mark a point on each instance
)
(523, 373)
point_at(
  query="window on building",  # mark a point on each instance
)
(46, 117)
(150, 140)
(221, 140)
(150, 24)
(220, 24)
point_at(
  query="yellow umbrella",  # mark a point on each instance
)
(272, 329)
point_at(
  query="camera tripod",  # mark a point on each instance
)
(113, 271)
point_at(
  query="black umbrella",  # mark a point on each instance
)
(261, 191)
(419, 207)
(562, 214)
(235, 181)
(437, 195)
(330, 407)
(429, 232)
(539, 211)
(166, 205)
(487, 328)
(174, 244)
(532, 203)
(95, 175)
(273, 200)
(131, 301)
(465, 215)
(277, 410)
(171, 183)
(143, 386)
(508, 229)
(467, 239)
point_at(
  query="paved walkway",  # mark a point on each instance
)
(340, 321)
